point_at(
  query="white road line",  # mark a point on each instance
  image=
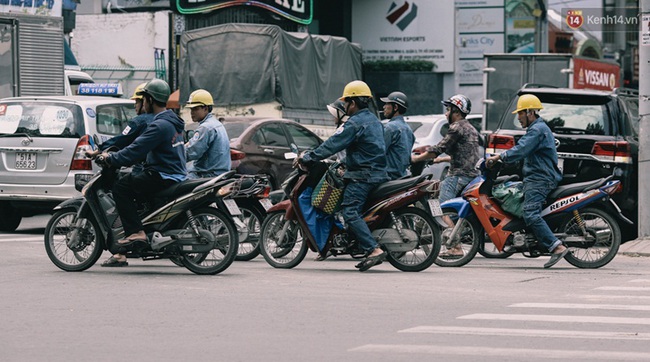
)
(639, 281)
(526, 332)
(511, 353)
(639, 289)
(605, 297)
(581, 306)
(557, 318)
(33, 238)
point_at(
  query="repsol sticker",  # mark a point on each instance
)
(564, 202)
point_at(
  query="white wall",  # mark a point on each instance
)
(105, 38)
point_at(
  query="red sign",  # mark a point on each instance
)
(574, 19)
(593, 74)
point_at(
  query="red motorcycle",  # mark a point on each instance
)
(407, 232)
(581, 215)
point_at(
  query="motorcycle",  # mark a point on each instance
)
(251, 197)
(581, 215)
(408, 233)
(179, 222)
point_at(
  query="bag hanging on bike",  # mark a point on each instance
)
(328, 194)
(511, 197)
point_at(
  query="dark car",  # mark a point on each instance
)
(264, 142)
(596, 135)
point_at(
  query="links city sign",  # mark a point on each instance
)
(300, 11)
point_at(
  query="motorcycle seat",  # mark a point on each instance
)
(391, 187)
(570, 189)
(181, 188)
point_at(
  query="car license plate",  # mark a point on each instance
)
(560, 165)
(266, 203)
(232, 207)
(434, 205)
(26, 160)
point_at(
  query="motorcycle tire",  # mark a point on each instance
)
(606, 234)
(471, 236)
(84, 253)
(284, 253)
(426, 252)
(253, 216)
(215, 222)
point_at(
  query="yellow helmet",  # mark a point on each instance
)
(527, 101)
(356, 88)
(139, 88)
(200, 97)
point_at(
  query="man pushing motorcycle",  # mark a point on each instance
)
(540, 171)
(362, 137)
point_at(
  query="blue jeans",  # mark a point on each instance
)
(451, 186)
(535, 193)
(354, 198)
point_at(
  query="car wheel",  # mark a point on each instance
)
(10, 217)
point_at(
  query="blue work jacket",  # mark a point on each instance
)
(209, 148)
(399, 140)
(537, 149)
(362, 138)
(134, 128)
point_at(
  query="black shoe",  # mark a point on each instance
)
(555, 258)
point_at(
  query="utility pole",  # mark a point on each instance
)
(644, 120)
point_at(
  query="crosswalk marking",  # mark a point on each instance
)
(29, 238)
(637, 289)
(526, 332)
(511, 353)
(557, 318)
(581, 306)
(605, 297)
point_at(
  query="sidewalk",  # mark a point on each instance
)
(636, 247)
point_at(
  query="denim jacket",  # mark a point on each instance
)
(209, 148)
(362, 136)
(537, 149)
(399, 140)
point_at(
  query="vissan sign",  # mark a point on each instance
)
(300, 11)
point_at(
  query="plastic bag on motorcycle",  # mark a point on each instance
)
(511, 197)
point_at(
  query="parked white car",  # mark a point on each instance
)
(42, 145)
(431, 129)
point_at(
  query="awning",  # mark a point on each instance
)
(174, 100)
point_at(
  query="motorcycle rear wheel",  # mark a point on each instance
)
(283, 253)
(427, 250)
(253, 217)
(602, 250)
(58, 231)
(224, 248)
(471, 236)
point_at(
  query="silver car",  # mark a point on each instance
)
(431, 129)
(42, 146)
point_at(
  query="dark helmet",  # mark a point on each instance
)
(459, 101)
(398, 98)
(158, 89)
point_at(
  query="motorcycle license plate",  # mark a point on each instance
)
(266, 203)
(434, 205)
(26, 160)
(232, 207)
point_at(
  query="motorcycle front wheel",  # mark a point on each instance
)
(253, 217)
(224, 243)
(281, 242)
(72, 245)
(597, 245)
(426, 252)
(465, 246)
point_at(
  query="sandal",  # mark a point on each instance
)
(113, 262)
(371, 261)
(451, 255)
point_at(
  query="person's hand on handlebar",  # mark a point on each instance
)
(93, 153)
(492, 160)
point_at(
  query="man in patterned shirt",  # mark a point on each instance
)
(462, 147)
